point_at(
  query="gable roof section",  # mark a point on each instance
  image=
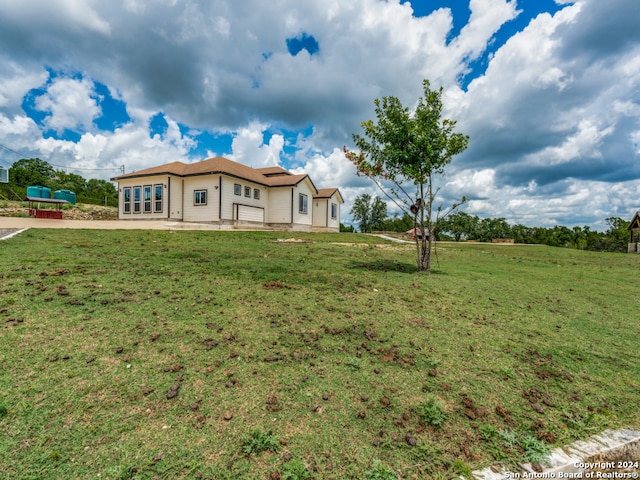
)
(635, 222)
(273, 176)
(328, 193)
(173, 168)
(273, 171)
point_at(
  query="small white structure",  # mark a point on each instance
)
(228, 194)
(4, 175)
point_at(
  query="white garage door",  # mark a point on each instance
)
(250, 214)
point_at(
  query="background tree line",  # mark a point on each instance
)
(33, 171)
(371, 215)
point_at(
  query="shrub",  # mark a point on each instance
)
(380, 471)
(295, 470)
(432, 411)
(257, 442)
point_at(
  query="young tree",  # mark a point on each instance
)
(369, 212)
(406, 148)
(378, 214)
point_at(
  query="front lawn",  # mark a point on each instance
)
(230, 355)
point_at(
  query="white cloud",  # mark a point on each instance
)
(248, 146)
(487, 16)
(21, 129)
(331, 170)
(71, 104)
(583, 144)
(473, 183)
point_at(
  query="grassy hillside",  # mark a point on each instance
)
(148, 354)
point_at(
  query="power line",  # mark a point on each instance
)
(120, 168)
(12, 151)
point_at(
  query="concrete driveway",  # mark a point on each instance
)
(10, 226)
(20, 223)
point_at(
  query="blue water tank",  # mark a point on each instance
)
(39, 192)
(67, 195)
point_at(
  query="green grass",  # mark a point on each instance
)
(319, 360)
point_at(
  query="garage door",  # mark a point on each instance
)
(250, 214)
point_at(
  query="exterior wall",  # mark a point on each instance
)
(231, 203)
(146, 208)
(333, 223)
(634, 247)
(322, 220)
(207, 212)
(303, 221)
(320, 206)
(176, 201)
(279, 211)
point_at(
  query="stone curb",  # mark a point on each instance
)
(599, 451)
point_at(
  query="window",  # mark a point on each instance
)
(136, 199)
(126, 199)
(256, 193)
(334, 211)
(200, 197)
(302, 203)
(147, 199)
(158, 198)
(247, 192)
(237, 189)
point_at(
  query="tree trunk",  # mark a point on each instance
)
(425, 252)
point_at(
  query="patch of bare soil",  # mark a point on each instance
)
(276, 284)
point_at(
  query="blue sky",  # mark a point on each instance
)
(548, 91)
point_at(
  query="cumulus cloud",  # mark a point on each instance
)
(70, 104)
(249, 148)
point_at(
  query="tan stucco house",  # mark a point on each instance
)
(221, 192)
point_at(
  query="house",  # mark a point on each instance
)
(221, 192)
(415, 232)
(634, 238)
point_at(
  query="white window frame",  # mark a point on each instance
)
(237, 189)
(334, 211)
(256, 194)
(157, 199)
(126, 200)
(303, 203)
(146, 197)
(197, 197)
(137, 198)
